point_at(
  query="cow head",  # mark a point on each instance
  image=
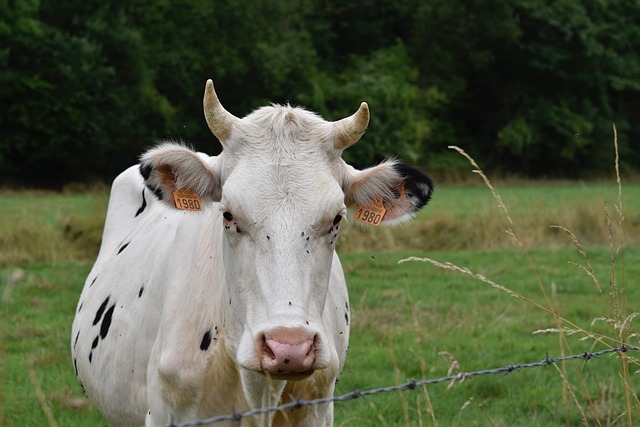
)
(282, 192)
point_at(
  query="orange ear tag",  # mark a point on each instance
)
(187, 200)
(371, 214)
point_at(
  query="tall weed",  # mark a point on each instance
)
(593, 409)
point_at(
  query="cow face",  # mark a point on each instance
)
(282, 192)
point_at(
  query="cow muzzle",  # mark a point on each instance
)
(288, 354)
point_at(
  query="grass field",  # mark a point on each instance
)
(411, 320)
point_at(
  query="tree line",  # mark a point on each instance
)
(528, 87)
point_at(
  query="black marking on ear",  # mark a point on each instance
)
(157, 192)
(144, 204)
(123, 247)
(418, 185)
(206, 341)
(100, 311)
(145, 170)
(106, 322)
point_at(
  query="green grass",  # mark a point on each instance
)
(409, 320)
(36, 315)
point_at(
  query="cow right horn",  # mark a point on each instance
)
(349, 130)
(220, 121)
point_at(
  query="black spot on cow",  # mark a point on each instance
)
(140, 291)
(206, 341)
(268, 238)
(80, 307)
(144, 204)
(106, 322)
(123, 247)
(95, 343)
(100, 311)
(75, 342)
(90, 356)
(75, 366)
(346, 317)
(93, 281)
(346, 305)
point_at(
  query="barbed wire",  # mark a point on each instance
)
(409, 385)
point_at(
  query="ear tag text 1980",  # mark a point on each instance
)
(371, 214)
(187, 200)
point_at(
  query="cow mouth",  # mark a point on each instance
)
(288, 376)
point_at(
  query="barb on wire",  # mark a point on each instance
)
(409, 385)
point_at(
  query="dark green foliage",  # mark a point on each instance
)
(527, 87)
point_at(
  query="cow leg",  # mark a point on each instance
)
(320, 385)
(261, 392)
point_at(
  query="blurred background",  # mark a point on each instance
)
(530, 88)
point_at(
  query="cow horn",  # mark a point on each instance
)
(220, 121)
(350, 129)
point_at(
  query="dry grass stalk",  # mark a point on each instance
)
(622, 322)
(42, 400)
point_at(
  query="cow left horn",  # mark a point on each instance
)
(220, 121)
(350, 129)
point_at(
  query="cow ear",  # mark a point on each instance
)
(171, 167)
(401, 189)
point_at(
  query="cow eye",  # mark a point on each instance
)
(227, 216)
(337, 219)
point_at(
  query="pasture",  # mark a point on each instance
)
(411, 320)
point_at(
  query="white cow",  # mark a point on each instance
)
(242, 304)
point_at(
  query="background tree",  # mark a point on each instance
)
(528, 87)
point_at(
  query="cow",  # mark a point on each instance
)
(217, 287)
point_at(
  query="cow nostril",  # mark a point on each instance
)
(286, 361)
(267, 351)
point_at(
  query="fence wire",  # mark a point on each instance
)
(409, 385)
